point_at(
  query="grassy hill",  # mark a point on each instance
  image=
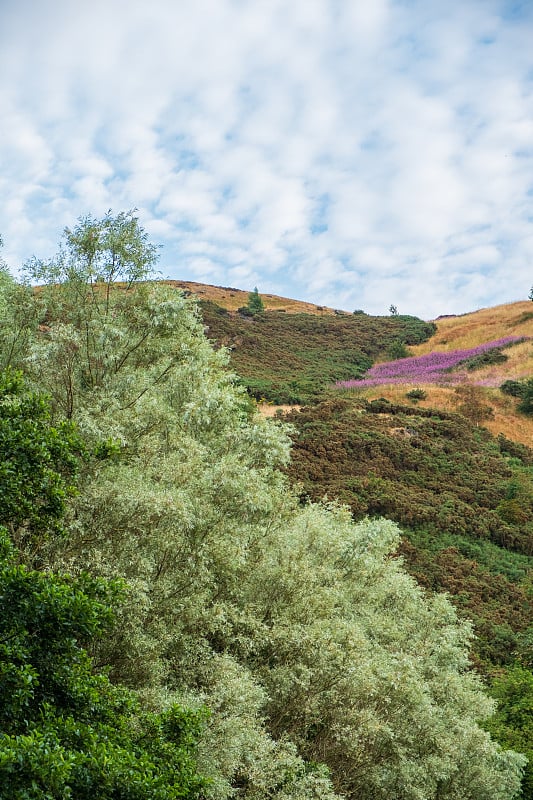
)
(293, 357)
(468, 331)
(463, 498)
(461, 491)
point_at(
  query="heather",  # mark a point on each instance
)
(293, 358)
(463, 498)
(432, 367)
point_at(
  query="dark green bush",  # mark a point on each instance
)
(416, 394)
(513, 388)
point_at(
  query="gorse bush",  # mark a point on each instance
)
(326, 670)
(416, 394)
(522, 389)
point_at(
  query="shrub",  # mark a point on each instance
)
(513, 388)
(416, 394)
(398, 350)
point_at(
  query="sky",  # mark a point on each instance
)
(352, 153)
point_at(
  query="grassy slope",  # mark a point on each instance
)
(294, 357)
(450, 485)
(463, 497)
(470, 330)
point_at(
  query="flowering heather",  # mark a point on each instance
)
(430, 368)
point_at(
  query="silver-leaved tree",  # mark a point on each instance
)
(327, 671)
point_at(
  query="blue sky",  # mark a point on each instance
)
(353, 153)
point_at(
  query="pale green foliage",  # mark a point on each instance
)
(18, 319)
(114, 248)
(298, 629)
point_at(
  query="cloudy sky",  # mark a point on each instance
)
(353, 153)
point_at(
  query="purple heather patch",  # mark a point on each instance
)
(431, 368)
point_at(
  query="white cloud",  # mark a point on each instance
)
(352, 154)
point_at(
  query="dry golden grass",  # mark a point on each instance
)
(270, 410)
(485, 325)
(517, 427)
(232, 299)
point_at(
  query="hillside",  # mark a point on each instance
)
(468, 331)
(293, 358)
(462, 492)
(463, 499)
(296, 351)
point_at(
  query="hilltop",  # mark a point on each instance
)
(232, 299)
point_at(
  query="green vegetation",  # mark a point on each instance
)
(416, 394)
(436, 475)
(255, 305)
(65, 730)
(327, 671)
(486, 359)
(523, 390)
(293, 358)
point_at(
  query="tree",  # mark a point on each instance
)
(326, 669)
(393, 310)
(66, 731)
(255, 303)
(106, 250)
(530, 295)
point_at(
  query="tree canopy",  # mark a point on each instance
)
(65, 730)
(326, 670)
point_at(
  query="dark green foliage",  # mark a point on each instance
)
(526, 403)
(38, 461)
(398, 350)
(66, 732)
(513, 388)
(512, 725)
(255, 304)
(492, 356)
(523, 390)
(416, 394)
(448, 485)
(292, 358)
